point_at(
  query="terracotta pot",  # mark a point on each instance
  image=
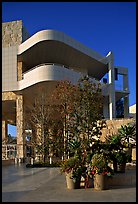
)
(101, 182)
(71, 183)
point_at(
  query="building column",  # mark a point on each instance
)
(125, 82)
(126, 98)
(20, 127)
(106, 107)
(4, 131)
(112, 105)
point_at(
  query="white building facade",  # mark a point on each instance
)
(45, 58)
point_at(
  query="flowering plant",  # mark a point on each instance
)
(89, 171)
(73, 165)
(106, 171)
(99, 165)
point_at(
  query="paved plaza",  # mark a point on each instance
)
(21, 184)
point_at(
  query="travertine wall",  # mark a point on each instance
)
(19, 71)
(113, 126)
(134, 153)
(20, 126)
(13, 33)
(132, 109)
(8, 96)
(4, 131)
(19, 121)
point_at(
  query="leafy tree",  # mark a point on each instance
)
(88, 110)
(38, 117)
(81, 109)
(73, 112)
(62, 100)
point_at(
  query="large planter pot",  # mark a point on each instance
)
(71, 183)
(101, 182)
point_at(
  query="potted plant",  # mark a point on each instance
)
(127, 132)
(118, 156)
(101, 171)
(73, 170)
(121, 157)
(115, 146)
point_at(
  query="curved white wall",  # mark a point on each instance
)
(48, 73)
(59, 36)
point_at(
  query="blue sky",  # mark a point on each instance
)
(102, 26)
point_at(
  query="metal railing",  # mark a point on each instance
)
(75, 69)
(43, 64)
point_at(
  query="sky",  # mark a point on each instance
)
(102, 26)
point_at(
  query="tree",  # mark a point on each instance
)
(73, 112)
(62, 100)
(81, 109)
(88, 109)
(38, 117)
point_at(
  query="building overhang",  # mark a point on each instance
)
(121, 94)
(51, 46)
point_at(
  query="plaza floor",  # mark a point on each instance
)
(21, 184)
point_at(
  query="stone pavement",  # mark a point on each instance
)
(21, 184)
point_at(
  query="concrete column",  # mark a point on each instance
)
(125, 82)
(112, 105)
(19, 71)
(4, 131)
(19, 124)
(126, 98)
(106, 107)
(126, 107)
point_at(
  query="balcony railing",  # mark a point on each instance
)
(75, 69)
(43, 64)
